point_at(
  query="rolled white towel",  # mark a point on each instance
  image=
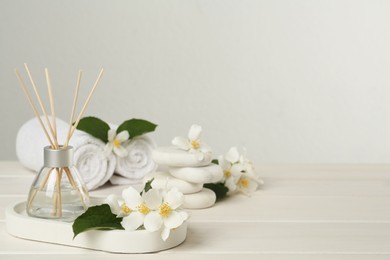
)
(94, 166)
(133, 168)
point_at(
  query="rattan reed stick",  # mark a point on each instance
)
(85, 106)
(51, 99)
(33, 107)
(76, 94)
(41, 104)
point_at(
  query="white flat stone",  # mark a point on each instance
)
(201, 200)
(205, 174)
(163, 180)
(175, 157)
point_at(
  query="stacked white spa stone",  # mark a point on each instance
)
(187, 171)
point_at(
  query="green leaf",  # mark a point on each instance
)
(95, 127)
(96, 218)
(215, 161)
(219, 189)
(148, 186)
(136, 127)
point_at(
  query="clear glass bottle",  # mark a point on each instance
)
(58, 191)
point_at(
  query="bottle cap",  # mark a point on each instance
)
(57, 158)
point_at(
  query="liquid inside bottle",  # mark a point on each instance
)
(58, 191)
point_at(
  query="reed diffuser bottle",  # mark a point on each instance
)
(58, 192)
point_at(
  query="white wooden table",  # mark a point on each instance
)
(302, 212)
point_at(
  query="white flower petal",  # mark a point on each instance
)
(242, 159)
(181, 143)
(153, 221)
(120, 151)
(231, 184)
(252, 186)
(165, 233)
(153, 199)
(195, 132)
(249, 168)
(122, 214)
(111, 135)
(174, 198)
(112, 201)
(108, 149)
(183, 214)
(174, 220)
(133, 221)
(122, 136)
(224, 164)
(237, 170)
(232, 155)
(249, 187)
(131, 197)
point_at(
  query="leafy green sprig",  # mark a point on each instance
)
(99, 128)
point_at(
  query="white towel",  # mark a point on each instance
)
(133, 168)
(94, 166)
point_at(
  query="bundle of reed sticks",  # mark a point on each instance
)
(51, 132)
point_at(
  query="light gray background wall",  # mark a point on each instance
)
(293, 81)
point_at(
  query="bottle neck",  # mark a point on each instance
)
(57, 158)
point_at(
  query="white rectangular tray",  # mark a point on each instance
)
(116, 241)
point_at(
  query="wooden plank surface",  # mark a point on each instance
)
(303, 212)
(255, 238)
(282, 209)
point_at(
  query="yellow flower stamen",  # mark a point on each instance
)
(143, 208)
(244, 183)
(195, 144)
(227, 174)
(116, 142)
(126, 209)
(165, 210)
